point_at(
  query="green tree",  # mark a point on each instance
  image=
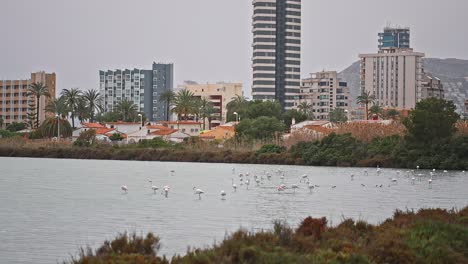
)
(206, 111)
(376, 110)
(432, 120)
(237, 104)
(127, 109)
(1, 122)
(93, 100)
(82, 110)
(298, 116)
(31, 115)
(262, 128)
(38, 90)
(57, 106)
(392, 114)
(306, 108)
(184, 104)
(260, 108)
(49, 128)
(72, 98)
(111, 116)
(167, 97)
(338, 115)
(116, 137)
(16, 126)
(365, 99)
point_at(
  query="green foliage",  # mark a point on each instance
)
(156, 142)
(86, 138)
(263, 128)
(116, 137)
(16, 126)
(38, 90)
(333, 150)
(270, 148)
(298, 116)
(338, 115)
(432, 120)
(260, 108)
(58, 106)
(51, 126)
(365, 99)
(237, 104)
(7, 134)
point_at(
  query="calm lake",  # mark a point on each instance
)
(51, 207)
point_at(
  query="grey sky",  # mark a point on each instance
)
(208, 40)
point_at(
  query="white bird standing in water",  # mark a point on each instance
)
(304, 178)
(223, 194)
(166, 190)
(310, 186)
(154, 188)
(234, 186)
(198, 191)
(247, 182)
(233, 170)
(365, 172)
(412, 180)
(124, 188)
(352, 177)
(294, 187)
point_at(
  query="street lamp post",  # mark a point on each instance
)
(237, 117)
(347, 114)
(58, 127)
(141, 125)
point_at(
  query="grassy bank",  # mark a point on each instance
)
(428, 236)
(333, 150)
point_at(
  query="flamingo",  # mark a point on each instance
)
(166, 190)
(124, 188)
(311, 187)
(233, 170)
(247, 182)
(257, 181)
(223, 194)
(294, 187)
(281, 188)
(365, 172)
(172, 172)
(234, 186)
(394, 180)
(155, 188)
(304, 178)
(198, 191)
(333, 187)
(282, 178)
(352, 177)
(363, 185)
(412, 180)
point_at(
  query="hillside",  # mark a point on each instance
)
(452, 72)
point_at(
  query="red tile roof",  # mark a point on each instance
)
(103, 130)
(180, 122)
(163, 132)
(123, 123)
(93, 125)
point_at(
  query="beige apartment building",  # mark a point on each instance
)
(431, 87)
(15, 104)
(324, 92)
(220, 94)
(393, 76)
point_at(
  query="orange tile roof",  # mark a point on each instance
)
(163, 132)
(93, 125)
(103, 130)
(123, 123)
(180, 122)
(230, 128)
(157, 127)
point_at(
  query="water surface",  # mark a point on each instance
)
(51, 207)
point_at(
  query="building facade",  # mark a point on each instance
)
(393, 74)
(219, 94)
(431, 87)
(142, 87)
(276, 60)
(16, 105)
(325, 92)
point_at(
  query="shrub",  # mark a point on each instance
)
(270, 148)
(86, 138)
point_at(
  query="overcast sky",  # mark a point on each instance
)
(207, 40)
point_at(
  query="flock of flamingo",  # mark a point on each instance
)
(245, 180)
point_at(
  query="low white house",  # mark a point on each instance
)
(190, 128)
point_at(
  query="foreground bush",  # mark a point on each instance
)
(428, 236)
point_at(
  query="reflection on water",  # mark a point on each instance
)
(51, 207)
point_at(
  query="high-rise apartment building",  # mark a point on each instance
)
(431, 87)
(276, 60)
(394, 74)
(394, 38)
(15, 104)
(325, 92)
(219, 94)
(142, 87)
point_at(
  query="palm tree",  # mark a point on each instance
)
(365, 99)
(167, 97)
(49, 128)
(38, 90)
(82, 110)
(93, 100)
(206, 111)
(58, 107)
(72, 96)
(127, 109)
(183, 104)
(392, 113)
(237, 104)
(305, 108)
(376, 110)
